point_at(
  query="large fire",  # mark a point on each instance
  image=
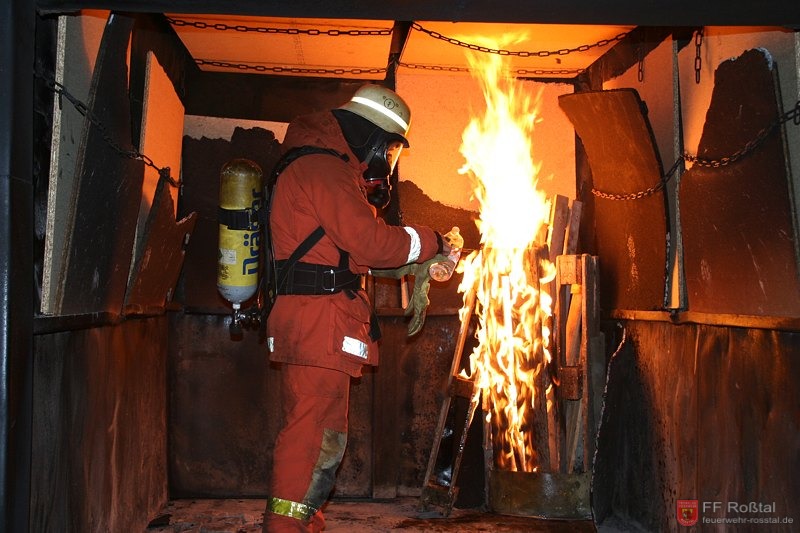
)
(505, 277)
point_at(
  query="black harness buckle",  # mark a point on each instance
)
(331, 274)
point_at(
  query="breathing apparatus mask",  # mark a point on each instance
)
(375, 123)
(381, 160)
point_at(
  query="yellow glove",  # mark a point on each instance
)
(418, 303)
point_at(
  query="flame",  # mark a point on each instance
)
(509, 269)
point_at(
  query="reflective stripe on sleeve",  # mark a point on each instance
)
(291, 509)
(416, 245)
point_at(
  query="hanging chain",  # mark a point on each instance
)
(540, 72)
(761, 136)
(640, 57)
(540, 53)
(220, 26)
(517, 72)
(83, 109)
(641, 194)
(698, 61)
(288, 70)
(793, 115)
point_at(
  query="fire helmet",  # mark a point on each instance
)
(382, 107)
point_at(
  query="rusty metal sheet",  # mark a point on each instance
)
(354, 479)
(631, 234)
(410, 386)
(224, 409)
(159, 261)
(649, 414)
(99, 437)
(105, 202)
(740, 249)
(542, 494)
(748, 425)
(697, 412)
(225, 412)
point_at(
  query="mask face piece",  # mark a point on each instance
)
(380, 165)
(381, 160)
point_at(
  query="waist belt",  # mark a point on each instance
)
(309, 278)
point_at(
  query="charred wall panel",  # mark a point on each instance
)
(224, 412)
(702, 413)
(740, 250)
(630, 228)
(99, 418)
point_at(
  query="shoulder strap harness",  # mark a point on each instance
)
(293, 276)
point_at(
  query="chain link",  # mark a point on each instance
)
(542, 72)
(436, 68)
(761, 136)
(383, 32)
(640, 68)
(516, 72)
(698, 60)
(641, 194)
(83, 109)
(522, 53)
(220, 26)
(793, 115)
(288, 70)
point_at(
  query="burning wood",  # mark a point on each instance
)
(511, 272)
(509, 286)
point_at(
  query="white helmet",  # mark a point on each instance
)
(382, 107)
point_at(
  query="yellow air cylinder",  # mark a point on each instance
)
(240, 198)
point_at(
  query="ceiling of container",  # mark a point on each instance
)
(363, 49)
(362, 40)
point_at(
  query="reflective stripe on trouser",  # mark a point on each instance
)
(309, 447)
(296, 510)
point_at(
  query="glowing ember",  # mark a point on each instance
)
(508, 271)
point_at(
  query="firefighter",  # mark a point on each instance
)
(321, 329)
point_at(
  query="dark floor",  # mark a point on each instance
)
(239, 516)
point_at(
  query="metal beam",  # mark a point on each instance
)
(615, 12)
(17, 21)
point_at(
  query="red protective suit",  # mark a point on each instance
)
(323, 339)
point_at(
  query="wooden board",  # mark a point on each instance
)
(160, 258)
(105, 203)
